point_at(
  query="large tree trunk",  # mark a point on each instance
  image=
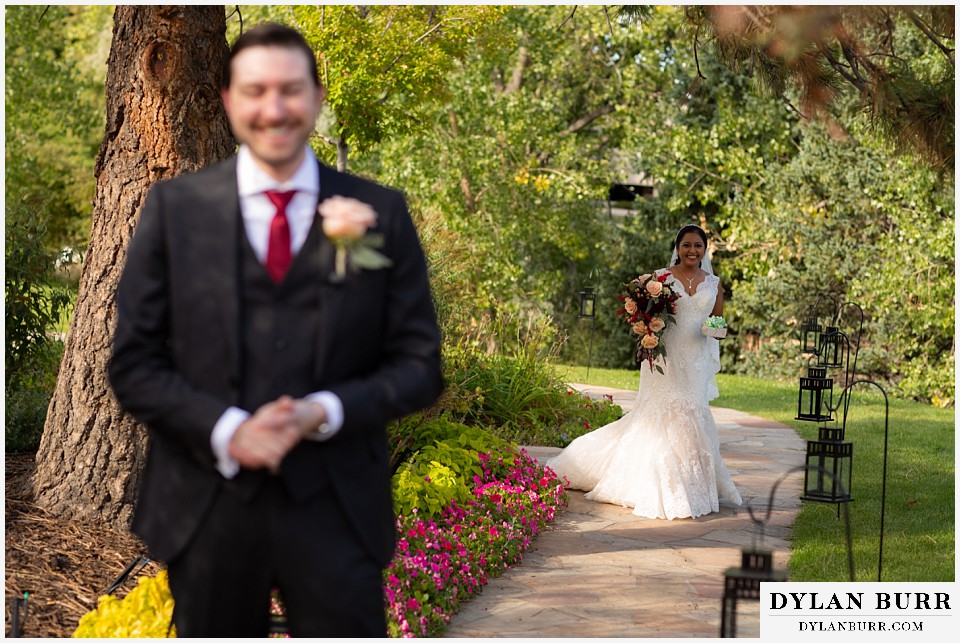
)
(164, 117)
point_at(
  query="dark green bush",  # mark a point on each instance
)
(34, 305)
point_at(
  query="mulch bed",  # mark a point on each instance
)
(64, 565)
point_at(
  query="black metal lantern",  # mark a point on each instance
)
(816, 395)
(830, 349)
(810, 335)
(588, 303)
(829, 467)
(756, 566)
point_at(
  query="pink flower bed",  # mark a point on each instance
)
(440, 563)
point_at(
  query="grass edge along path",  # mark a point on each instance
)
(919, 518)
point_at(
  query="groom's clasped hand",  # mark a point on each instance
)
(268, 435)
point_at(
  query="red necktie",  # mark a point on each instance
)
(278, 247)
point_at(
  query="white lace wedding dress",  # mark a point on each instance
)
(663, 457)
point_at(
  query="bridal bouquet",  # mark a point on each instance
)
(648, 306)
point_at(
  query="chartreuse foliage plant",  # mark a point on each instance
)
(443, 472)
(146, 612)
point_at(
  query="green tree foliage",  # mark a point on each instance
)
(54, 66)
(518, 160)
(383, 65)
(506, 127)
(795, 211)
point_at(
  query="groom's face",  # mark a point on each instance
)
(273, 104)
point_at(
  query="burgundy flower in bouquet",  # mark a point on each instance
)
(649, 304)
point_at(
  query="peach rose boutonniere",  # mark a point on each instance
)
(649, 304)
(347, 222)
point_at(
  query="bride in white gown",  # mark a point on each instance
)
(663, 457)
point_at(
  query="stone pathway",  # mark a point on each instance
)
(600, 571)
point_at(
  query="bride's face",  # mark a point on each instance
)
(691, 250)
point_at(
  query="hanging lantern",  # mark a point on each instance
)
(829, 351)
(829, 453)
(816, 396)
(756, 566)
(810, 334)
(588, 301)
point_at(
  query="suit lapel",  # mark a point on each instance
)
(223, 254)
(331, 290)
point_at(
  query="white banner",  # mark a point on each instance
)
(849, 611)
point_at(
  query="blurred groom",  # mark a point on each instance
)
(265, 373)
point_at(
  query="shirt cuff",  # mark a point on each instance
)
(334, 409)
(223, 431)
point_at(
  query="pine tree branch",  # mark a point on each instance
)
(840, 67)
(696, 57)
(949, 53)
(851, 56)
(606, 14)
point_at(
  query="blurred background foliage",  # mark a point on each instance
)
(814, 145)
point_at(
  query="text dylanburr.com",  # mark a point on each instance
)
(849, 610)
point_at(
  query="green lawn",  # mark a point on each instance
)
(919, 531)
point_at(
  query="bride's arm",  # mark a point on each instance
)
(718, 304)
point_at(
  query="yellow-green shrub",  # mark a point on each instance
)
(146, 612)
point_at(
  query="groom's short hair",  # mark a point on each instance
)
(271, 34)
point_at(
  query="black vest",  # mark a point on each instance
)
(279, 325)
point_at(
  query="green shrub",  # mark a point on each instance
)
(25, 412)
(35, 303)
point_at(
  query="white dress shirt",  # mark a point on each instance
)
(257, 212)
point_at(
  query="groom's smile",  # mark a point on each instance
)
(273, 103)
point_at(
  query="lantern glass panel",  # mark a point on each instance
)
(588, 302)
(829, 468)
(811, 333)
(829, 353)
(816, 396)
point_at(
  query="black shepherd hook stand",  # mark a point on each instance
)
(883, 480)
(756, 562)
(761, 524)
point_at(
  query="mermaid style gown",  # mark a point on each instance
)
(663, 457)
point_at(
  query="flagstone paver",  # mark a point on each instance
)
(601, 572)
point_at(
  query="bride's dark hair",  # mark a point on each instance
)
(684, 230)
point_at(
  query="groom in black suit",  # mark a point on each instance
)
(266, 377)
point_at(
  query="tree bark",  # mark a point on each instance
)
(164, 116)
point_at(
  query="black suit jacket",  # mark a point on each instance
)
(176, 362)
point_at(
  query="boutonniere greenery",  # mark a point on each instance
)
(347, 222)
